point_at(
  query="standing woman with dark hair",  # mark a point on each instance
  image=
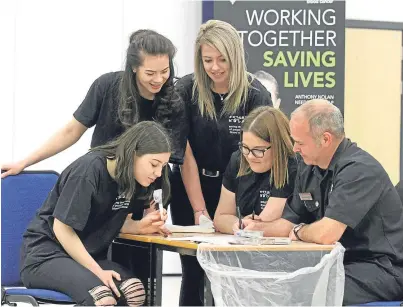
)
(118, 100)
(218, 96)
(65, 245)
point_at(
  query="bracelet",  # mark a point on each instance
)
(297, 228)
(296, 235)
(196, 211)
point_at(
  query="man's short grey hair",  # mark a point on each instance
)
(322, 117)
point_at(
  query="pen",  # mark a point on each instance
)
(161, 208)
(239, 217)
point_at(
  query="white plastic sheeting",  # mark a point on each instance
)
(249, 277)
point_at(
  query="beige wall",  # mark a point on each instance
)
(373, 94)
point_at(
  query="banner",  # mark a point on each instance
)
(295, 48)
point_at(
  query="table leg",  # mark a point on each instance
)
(157, 260)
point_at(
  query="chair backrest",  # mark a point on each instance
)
(21, 196)
(399, 188)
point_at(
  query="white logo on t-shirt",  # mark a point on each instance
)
(120, 203)
(234, 124)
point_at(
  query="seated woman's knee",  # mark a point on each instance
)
(102, 296)
(134, 292)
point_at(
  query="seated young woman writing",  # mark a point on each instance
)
(260, 176)
(65, 245)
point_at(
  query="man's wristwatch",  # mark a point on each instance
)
(297, 228)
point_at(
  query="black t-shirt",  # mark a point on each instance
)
(399, 188)
(213, 142)
(100, 108)
(356, 191)
(252, 191)
(85, 198)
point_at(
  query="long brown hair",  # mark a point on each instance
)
(270, 125)
(146, 137)
(146, 42)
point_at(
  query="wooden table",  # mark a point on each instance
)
(127, 247)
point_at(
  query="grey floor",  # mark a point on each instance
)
(170, 290)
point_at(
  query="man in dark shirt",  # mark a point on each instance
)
(344, 194)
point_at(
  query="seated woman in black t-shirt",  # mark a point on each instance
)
(65, 246)
(260, 176)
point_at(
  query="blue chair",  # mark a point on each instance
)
(21, 197)
(392, 303)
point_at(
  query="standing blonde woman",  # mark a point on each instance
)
(218, 96)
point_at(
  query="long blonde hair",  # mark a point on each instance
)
(225, 38)
(270, 125)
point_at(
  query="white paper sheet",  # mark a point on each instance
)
(205, 226)
(224, 239)
(212, 239)
(192, 229)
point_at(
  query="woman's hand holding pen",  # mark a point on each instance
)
(154, 222)
(239, 224)
(250, 224)
(246, 223)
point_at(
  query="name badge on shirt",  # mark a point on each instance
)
(305, 196)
